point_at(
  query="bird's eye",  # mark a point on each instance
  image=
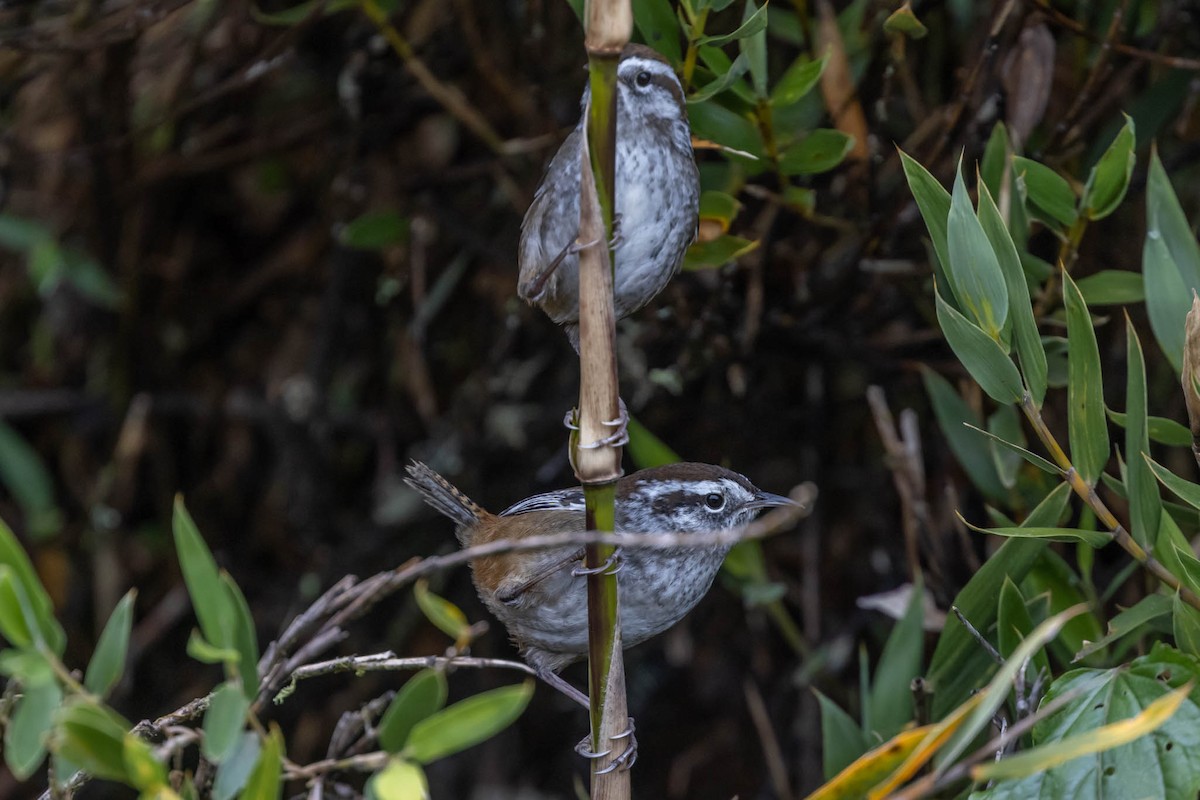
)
(643, 79)
(715, 501)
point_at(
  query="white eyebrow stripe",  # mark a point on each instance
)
(635, 64)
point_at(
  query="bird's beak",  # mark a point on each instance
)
(768, 500)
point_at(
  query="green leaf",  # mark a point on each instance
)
(374, 230)
(820, 151)
(26, 478)
(399, 780)
(209, 596)
(1165, 216)
(659, 27)
(1112, 287)
(1185, 625)
(1046, 190)
(722, 81)
(1014, 624)
(235, 770)
(17, 623)
(933, 201)
(224, 721)
(1092, 538)
(754, 47)
(1167, 297)
(1109, 179)
(711, 120)
(1165, 763)
(720, 207)
(842, 740)
(717, 253)
(1161, 430)
(1145, 506)
(27, 729)
(798, 81)
(904, 22)
(978, 284)
(467, 723)
(995, 160)
(21, 235)
(146, 773)
(1175, 553)
(245, 638)
(265, 781)
(891, 695)
(1184, 489)
(983, 357)
(206, 652)
(953, 415)
(446, 616)
(959, 664)
(718, 64)
(1028, 340)
(1086, 423)
(40, 611)
(1149, 609)
(422, 696)
(646, 449)
(108, 660)
(755, 23)
(92, 737)
(1051, 576)
(1032, 458)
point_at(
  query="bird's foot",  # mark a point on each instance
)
(625, 760)
(619, 437)
(611, 566)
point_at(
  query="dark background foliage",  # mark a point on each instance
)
(209, 164)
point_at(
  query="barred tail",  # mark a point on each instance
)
(443, 496)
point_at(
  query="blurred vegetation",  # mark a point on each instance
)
(261, 254)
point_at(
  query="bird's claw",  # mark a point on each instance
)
(624, 761)
(619, 437)
(611, 566)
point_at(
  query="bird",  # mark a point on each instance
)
(657, 199)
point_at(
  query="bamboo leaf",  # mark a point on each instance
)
(1092, 538)
(1112, 287)
(209, 596)
(1032, 458)
(1167, 297)
(1086, 423)
(108, 661)
(1145, 506)
(933, 201)
(40, 610)
(1161, 430)
(900, 662)
(1046, 190)
(953, 415)
(842, 739)
(755, 23)
(1149, 609)
(979, 284)
(1185, 625)
(1109, 179)
(983, 357)
(754, 48)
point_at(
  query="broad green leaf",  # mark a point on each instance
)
(25, 476)
(245, 638)
(40, 608)
(1025, 330)
(1161, 430)
(933, 201)
(798, 81)
(959, 664)
(1145, 506)
(1032, 458)
(900, 662)
(1112, 287)
(753, 24)
(979, 285)
(995, 159)
(1014, 624)
(399, 780)
(265, 781)
(1046, 190)
(820, 151)
(1167, 297)
(146, 773)
(108, 660)
(233, 773)
(1164, 763)
(27, 728)
(1005, 427)
(754, 48)
(1109, 179)
(447, 617)
(17, 623)
(224, 721)
(998, 688)
(467, 723)
(1165, 216)
(656, 22)
(422, 696)
(1185, 624)
(720, 207)
(712, 121)
(953, 415)
(1053, 578)
(842, 740)
(717, 253)
(26, 665)
(1056, 753)
(92, 737)
(210, 598)
(1149, 609)
(374, 230)
(646, 449)
(983, 357)
(722, 82)
(1086, 423)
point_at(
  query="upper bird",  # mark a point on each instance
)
(657, 198)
